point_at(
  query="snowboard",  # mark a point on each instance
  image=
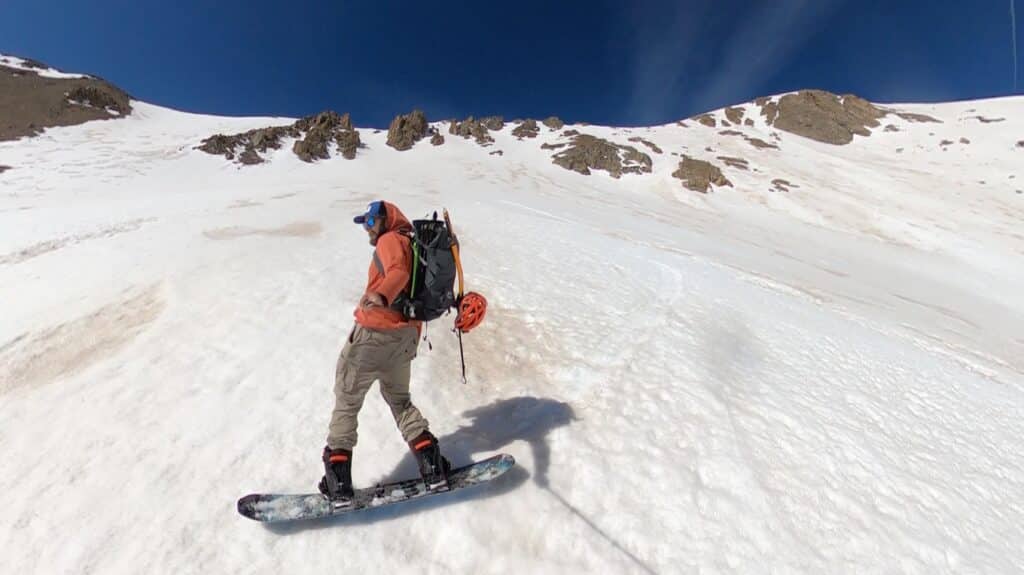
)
(274, 507)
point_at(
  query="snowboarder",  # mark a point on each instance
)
(381, 346)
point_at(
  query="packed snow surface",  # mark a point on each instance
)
(825, 380)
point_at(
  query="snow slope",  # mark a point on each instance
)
(827, 380)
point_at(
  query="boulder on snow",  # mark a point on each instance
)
(706, 119)
(734, 115)
(699, 175)
(405, 130)
(30, 103)
(471, 128)
(4, 168)
(919, 118)
(437, 139)
(826, 117)
(781, 185)
(527, 129)
(587, 152)
(553, 122)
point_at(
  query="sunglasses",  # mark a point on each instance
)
(373, 212)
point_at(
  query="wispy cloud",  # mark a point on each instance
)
(676, 56)
(760, 46)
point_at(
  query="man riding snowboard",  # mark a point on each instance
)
(380, 347)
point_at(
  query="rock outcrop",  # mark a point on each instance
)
(527, 129)
(30, 103)
(587, 152)
(473, 128)
(699, 175)
(554, 123)
(313, 135)
(407, 129)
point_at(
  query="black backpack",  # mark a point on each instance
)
(431, 288)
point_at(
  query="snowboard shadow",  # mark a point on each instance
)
(491, 428)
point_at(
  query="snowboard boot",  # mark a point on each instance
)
(337, 481)
(434, 467)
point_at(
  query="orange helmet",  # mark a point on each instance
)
(472, 308)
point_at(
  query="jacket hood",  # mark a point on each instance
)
(395, 219)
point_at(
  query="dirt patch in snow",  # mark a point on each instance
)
(699, 175)
(38, 358)
(48, 246)
(29, 103)
(293, 230)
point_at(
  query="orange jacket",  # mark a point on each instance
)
(389, 274)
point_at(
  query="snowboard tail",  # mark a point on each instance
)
(273, 507)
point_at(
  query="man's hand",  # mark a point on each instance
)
(371, 299)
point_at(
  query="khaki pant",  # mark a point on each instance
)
(370, 355)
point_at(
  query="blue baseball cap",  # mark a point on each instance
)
(373, 211)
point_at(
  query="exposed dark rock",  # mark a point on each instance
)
(738, 163)
(730, 133)
(698, 175)
(899, 150)
(348, 142)
(570, 133)
(407, 129)
(985, 120)
(918, 118)
(826, 117)
(891, 128)
(437, 139)
(761, 144)
(735, 115)
(769, 109)
(527, 129)
(782, 185)
(250, 157)
(964, 141)
(945, 142)
(682, 124)
(493, 123)
(748, 122)
(99, 97)
(725, 123)
(654, 147)
(1020, 144)
(320, 130)
(4, 168)
(552, 146)
(553, 122)
(705, 119)
(471, 128)
(30, 103)
(312, 133)
(497, 153)
(588, 152)
(30, 63)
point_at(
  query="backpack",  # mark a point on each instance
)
(431, 288)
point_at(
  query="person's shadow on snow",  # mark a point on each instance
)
(491, 428)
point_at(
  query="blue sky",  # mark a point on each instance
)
(605, 62)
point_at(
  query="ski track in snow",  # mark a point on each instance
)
(823, 380)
